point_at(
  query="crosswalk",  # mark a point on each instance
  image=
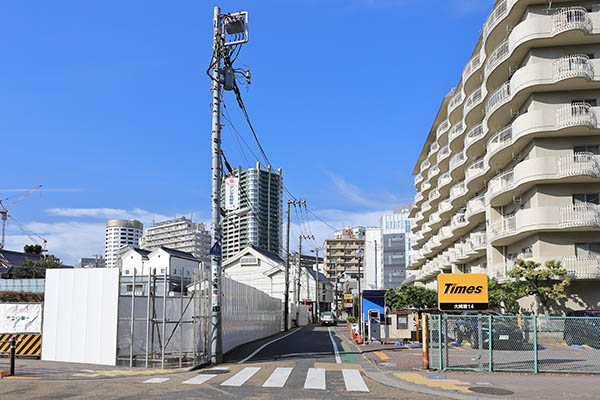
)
(315, 379)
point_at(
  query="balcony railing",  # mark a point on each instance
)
(497, 14)
(419, 197)
(444, 152)
(434, 147)
(505, 226)
(472, 65)
(435, 194)
(474, 134)
(573, 66)
(476, 205)
(575, 114)
(475, 169)
(582, 267)
(426, 206)
(442, 128)
(502, 181)
(458, 190)
(424, 165)
(433, 172)
(459, 220)
(418, 179)
(426, 186)
(444, 179)
(457, 130)
(456, 100)
(571, 18)
(502, 138)
(445, 206)
(445, 232)
(582, 214)
(497, 98)
(479, 240)
(457, 160)
(582, 163)
(498, 55)
(473, 100)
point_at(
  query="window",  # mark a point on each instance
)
(587, 249)
(401, 322)
(126, 272)
(591, 198)
(594, 149)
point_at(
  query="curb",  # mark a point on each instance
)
(382, 378)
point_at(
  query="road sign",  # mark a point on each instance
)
(215, 250)
(462, 292)
(348, 296)
(348, 305)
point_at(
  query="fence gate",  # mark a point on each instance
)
(482, 342)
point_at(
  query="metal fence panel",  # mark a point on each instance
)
(515, 343)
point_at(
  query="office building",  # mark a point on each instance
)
(395, 240)
(120, 233)
(91, 262)
(510, 167)
(179, 234)
(255, 218)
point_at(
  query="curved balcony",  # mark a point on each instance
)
(433, 196)
(454, 140)
(459, 224)
(435, 220)
(432, 151)
(565, 120)
(578, 217)
(499, 12)
(456, 163)
(470, 70)
(475, 175)
(457, 194)
(572, 66)
(424, 165)
(442, 157)
(472, 109)
(500, 53)
(443, 184)
(418, 179)
(582, 267)
(454, 104)
(571, 18)
(446, 234)
(476, 209)
(425, 187)
(570, 168)
(445, 209)
(442, 129)
(426, 207)
(433, 172)
(419, 198)
(497, 98)
(474, 143)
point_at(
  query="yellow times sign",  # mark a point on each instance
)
(348, 296)
(462, 292)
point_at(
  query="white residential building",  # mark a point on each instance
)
(373, 259)
(120, 233)
(510, 167)
(180, 234)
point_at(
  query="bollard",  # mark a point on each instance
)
(13, 347)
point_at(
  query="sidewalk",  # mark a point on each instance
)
(401, 367)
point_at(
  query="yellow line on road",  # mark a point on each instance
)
(382, 355)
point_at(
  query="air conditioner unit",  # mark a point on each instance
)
(516, 156)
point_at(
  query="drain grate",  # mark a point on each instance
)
(491, 390)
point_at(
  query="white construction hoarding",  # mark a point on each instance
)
(20, 318)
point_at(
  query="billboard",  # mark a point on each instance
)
(232, 193)
(20, 318)
(462, 292)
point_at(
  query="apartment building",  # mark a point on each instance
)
(180, 234)
(344, 254)
(510, 168)
(395, 246)
(120, 233)
(256, 217)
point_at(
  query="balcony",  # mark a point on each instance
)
(444, 180)
(458, 221)
(442, 128)
(472, 66)
(496, 99)
(579, 215)
(445, 233)
(497, 14)
(500, 54)
(571, 18)
(434, 195)
(576, 114)
(456, 101)
(457, 192)
(472, 137)
(455, 134)
(573, 66)
(426, 207)
(433, 149)
(433, 172)
(425, 187)
(418, 179)
(473, 100)
(582, 267)
(501, 139)
(457, 163)
(445, 207)
(475, 170)
(419, 198)
(476, 207)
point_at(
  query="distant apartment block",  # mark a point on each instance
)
(510, 168)
(258, 221)
(91, 262)
(344, 254)
(179, 234)
(120, 233)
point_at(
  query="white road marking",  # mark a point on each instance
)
(199, 379)
(315, 379)
(241, 377)
(278, 378)
(335, 349)
(265, 345)
(219, 369)
(156, 380)
(354, 381)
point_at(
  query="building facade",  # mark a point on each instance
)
(257, 219)
(395, 250)
(179, 234)
(120, 233)
(510, 168)
(91, 262)
(343, 256)
(373, 259)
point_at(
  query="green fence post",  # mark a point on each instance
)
(490, 329)
(535, 346)
(440, 340)
(430, 327)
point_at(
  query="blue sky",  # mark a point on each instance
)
(106, 104)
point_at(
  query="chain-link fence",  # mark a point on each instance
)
(514, 343)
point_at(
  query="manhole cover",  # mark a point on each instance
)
(215, 372)
(491, 390)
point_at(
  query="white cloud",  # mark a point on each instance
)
(356, 196)
(108, 213)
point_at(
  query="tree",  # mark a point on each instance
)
(500, 297)
(32, 249)
(410, 297)
(546, 283)
(33, 269)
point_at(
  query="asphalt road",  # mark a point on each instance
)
(302, 365)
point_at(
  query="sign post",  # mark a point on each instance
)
(462, 292)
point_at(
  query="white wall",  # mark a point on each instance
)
(373, 267)
(80, 315)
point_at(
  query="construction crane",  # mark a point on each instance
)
(4, 211)
(30, 234)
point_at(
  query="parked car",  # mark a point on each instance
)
(585, 329)
(328, 318)
(506, 333)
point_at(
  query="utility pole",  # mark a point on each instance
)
(316, 251)
(216, 340)
(307, 237)
(286, 309)
(360, 254)
(223, 24)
